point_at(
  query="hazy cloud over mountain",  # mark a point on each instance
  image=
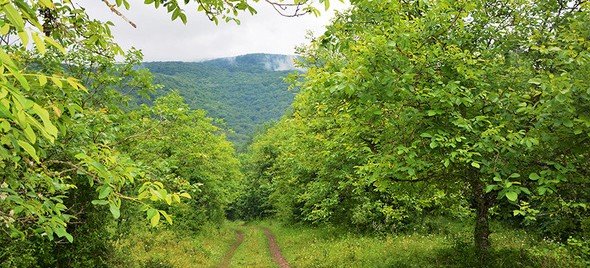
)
(161, 39)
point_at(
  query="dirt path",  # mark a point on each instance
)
(232, 250)
(275, 251)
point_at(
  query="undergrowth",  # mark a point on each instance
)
(436, 243)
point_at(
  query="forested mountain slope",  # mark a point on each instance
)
(245, 91)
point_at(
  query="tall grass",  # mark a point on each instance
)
(163, 248)
(437, 243)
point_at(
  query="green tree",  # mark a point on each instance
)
(185, 151)
(51, 53)
(487, 96)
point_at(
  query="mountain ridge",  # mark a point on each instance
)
(245, 91)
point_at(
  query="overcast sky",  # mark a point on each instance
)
(160, 39)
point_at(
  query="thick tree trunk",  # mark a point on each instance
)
(481, 235)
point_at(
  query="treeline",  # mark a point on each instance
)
(472, 110)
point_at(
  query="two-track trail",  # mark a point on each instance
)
(254, 247)
(275, 251)
(232, 250)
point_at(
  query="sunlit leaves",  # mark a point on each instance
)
(184, 150)
(54, 137)
(449, 92)
(227, 11)
(14, 16)
(29, 149)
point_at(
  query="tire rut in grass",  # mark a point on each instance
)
(232, 250)
(275, 251)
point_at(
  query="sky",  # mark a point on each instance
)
(161, 39)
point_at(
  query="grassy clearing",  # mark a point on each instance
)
(165, 248)
(254, 251)
(448, 246)
(436, 243)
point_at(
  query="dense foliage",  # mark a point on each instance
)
(72, 155)
(184, 149)
(410, 113)
(414, 108)
(245, 91)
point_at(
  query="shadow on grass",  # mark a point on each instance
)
(462, 254)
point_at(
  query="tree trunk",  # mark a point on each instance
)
(481, 235)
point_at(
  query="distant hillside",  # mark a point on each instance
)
(246, 91)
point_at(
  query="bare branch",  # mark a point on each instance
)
(114, 10)
(289, 9)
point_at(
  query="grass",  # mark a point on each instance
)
(435, 243)
(164, 248)
(447, 245)
(254, 251)
(331, 247)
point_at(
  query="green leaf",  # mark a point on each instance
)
(166, 216)
(515, 175)
(5, 58)
(39, 44)
(151, 212)
(14, 16)
(24, 38)
(490, 188)
(176, 198)
(47, 3)
(512, 196)
(42, 80)
(56, 81)
(106, 190)
(475, 164)
(175, 14)
(535, 81)
(61, 232)
(525, 190)
(114, 210)
(19, 76)
(55, 44)
(69, 237)
(30, 134)
(99, 202)
(155, 219)
(426, 135)
(44, 115)
(534, 176)
(5, 29)
(29, 149)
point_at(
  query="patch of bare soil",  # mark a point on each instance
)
(275, 251)
(232, 250)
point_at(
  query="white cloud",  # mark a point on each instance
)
(160, 39)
